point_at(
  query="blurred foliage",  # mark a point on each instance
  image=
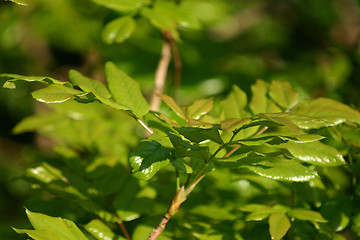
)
(314, 45)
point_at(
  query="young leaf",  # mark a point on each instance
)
(122, 5)
(199, 108)
(38, 122)
(233, 105)
(55, 94)
(329, 110)
(101, 231)
(173, 105)
(198, 135)
(230, 124)
(283, 170)
(315, 153)
(260, 103)
(279, 225)
(48, 228)
(283, 94)
(148, 158)
(126, 90)
(118, 30)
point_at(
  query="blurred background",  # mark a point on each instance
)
(315, 45)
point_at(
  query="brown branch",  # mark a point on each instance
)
(123, 228)
(161, 72)
(160, 227)
(178, 66)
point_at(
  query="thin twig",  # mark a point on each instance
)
(160, 75)
(178, 67)
(232, 150)
(149, 130)
(123, 228)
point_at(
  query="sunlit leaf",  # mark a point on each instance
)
(199, 108)
(260, 103)
(48, 228)
(20, 2)
(306, 215)
(122, 5)
(55, 94)
(279, 225)
(315, 153)
(283, 170)
(148, 158)
(329, 110)
(233, 105)
(101, 231)
(173, 105)
(283, 94)
(118, 30)
(125, 90)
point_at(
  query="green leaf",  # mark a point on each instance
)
(306, 215)
(198, 135)
(173, 105)
(230, 124)
(279, 225)
(282, 93)
(301, 121)
(125, 90)
(283, 170)
(329, 110)
(260, 103)
(89, 85)
(181, 165)
(199, 108)
(47, 228)
(14, 78)
(20, 2)
(101, 231)
(55, 94)
(38, 122)
(233, 105)
(315, 153)
(184, 148)
(122, 5)
(148, 158)
(118, 30)
(338, 212)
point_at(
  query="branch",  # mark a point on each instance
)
(160, 227)
(123, 228)
(178, 66)
(161, 72)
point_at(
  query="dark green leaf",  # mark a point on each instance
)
(279, 225)
(315, 153)
(328, 109)
(125, 90)
(122, 5)
(148, 158)
(338, 212)
(181, 165)
(55, 94)
(184, 148)
(283, 94)
(198, 135)
(48, 228)
(199, 108)
(118, 30)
